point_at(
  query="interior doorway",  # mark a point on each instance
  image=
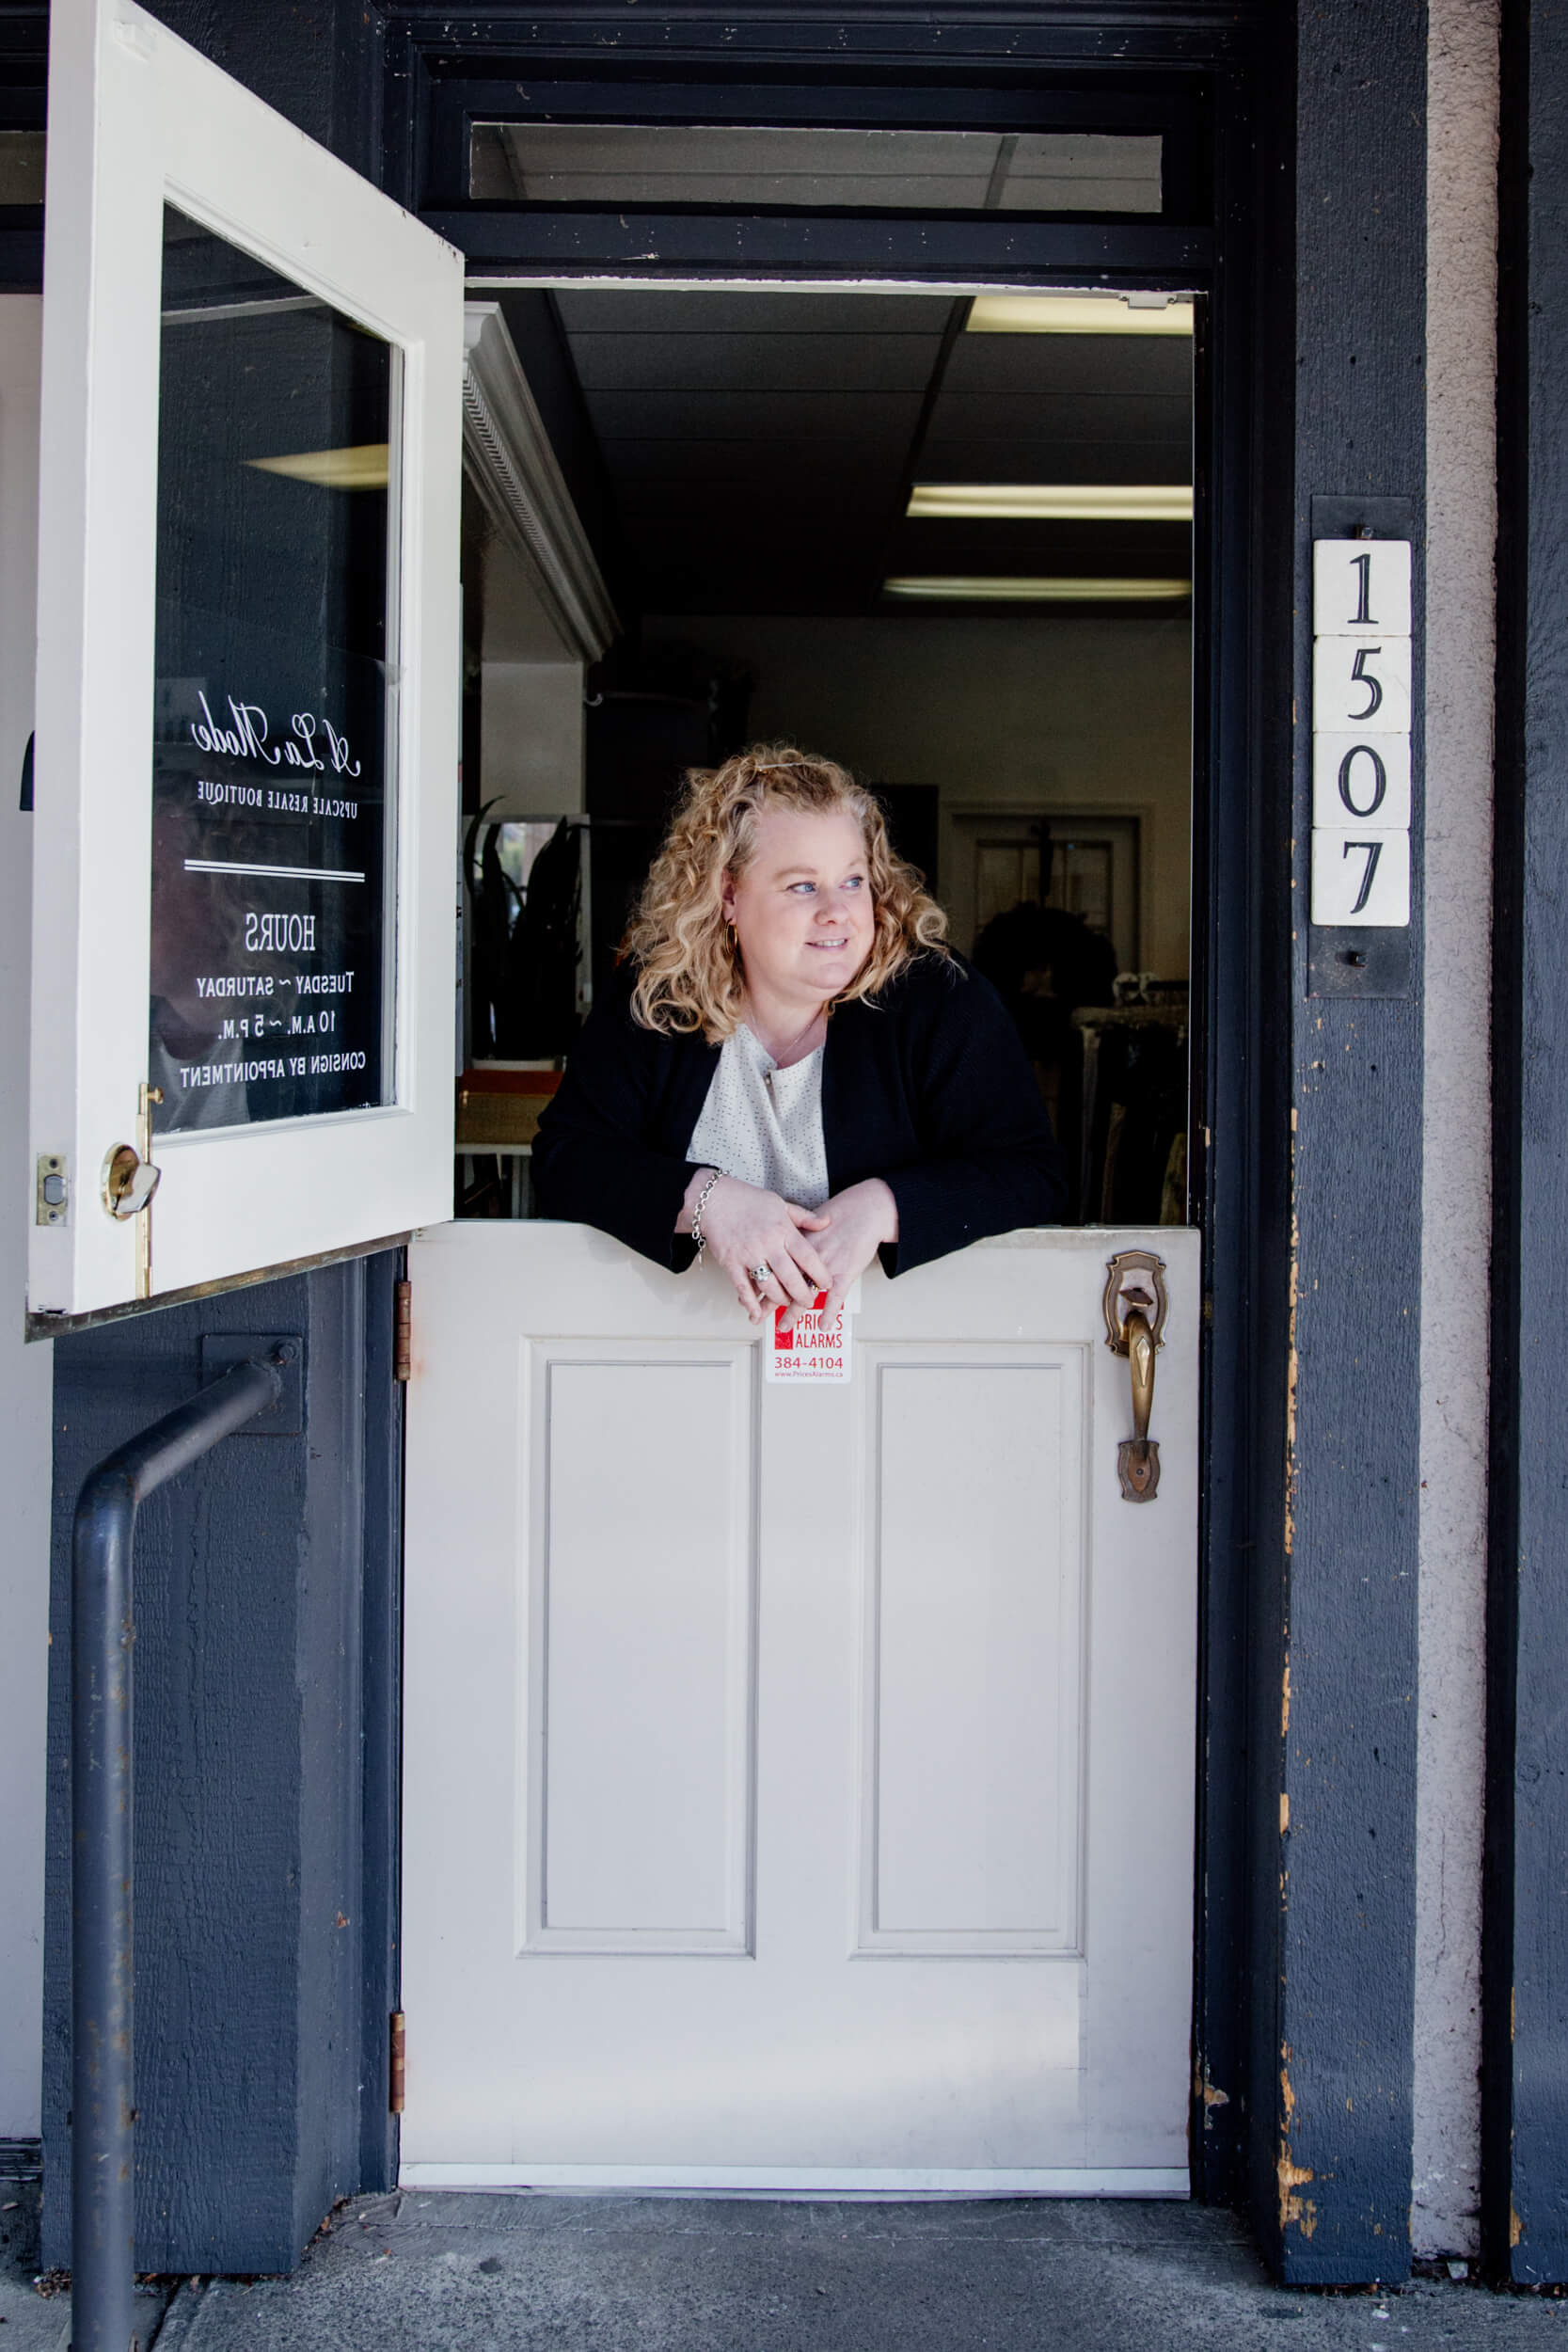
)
(944, 539)
(757, 1835)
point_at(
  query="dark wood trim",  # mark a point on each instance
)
(849, 93)
(1238, 1169)
(1335, 1757)
(54, 1326)
(320, 65)
(381, 1714)
(1510, 777)
(871, 63)
(1125, 34)
(505, 242)
(1525, 1954)
(1239, 256)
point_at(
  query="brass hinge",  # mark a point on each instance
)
(403, 1340)
(395, 2063)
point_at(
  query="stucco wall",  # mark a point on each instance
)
(1462, 218)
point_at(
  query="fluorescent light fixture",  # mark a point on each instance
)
(1077, 314)
(364, 468)
(1056, 502)
(1005, 591)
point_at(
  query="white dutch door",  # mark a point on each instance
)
(799, 1778)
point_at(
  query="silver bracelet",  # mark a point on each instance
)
(697, 1233)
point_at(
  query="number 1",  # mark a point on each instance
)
(1363, 614)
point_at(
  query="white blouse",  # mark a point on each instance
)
(764, 1124)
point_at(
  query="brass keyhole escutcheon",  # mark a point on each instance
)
(129, 1181)
(1137, 1304)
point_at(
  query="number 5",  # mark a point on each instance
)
(1373, 685)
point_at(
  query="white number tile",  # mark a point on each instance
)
(1356, 576)
(1362, 781)
(1361, 685)
(1360, 877)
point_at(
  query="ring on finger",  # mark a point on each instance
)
(760, 1275)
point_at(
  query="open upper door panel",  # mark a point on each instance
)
(247, 686)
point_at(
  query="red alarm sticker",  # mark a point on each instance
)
(815, 1347)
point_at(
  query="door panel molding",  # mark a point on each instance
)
(638, 1742)
(972, 1731)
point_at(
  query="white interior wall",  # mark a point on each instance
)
(530, 707)
(531, 738)
(999, 713)
(1461, 227)
(25, 1372)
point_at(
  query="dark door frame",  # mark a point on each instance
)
(1203, 86)
(1313, 209)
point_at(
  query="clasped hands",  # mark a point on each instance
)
(806, 1252)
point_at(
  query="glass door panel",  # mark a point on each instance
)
(270, 981)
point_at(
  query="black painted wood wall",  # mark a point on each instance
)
(266, 1631)
(1525, 1957)
(268, 1645)
(1334, 1639)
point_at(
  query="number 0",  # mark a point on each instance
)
(1380, 778)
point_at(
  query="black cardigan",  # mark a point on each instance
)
(927, 1086)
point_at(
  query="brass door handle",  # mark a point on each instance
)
(1138, 1457)
(1135, 1308)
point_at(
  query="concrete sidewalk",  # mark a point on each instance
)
(35, 2314)
(424, 2272)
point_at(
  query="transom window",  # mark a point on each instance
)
(660, 164)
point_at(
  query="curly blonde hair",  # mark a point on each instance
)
(689, 973)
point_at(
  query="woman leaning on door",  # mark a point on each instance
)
(794, 1070)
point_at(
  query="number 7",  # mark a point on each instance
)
(1375, 851)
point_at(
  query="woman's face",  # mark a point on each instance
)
(802, 910)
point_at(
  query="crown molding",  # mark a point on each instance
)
(509, 459)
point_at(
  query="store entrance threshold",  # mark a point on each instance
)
(469, 2271)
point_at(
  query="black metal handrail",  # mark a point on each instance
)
(102, 2144)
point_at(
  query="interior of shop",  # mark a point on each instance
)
(944, 539)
